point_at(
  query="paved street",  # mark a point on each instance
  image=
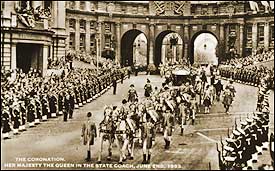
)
(196, 149)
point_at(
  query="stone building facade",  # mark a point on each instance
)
(32, 32)
(113, 25)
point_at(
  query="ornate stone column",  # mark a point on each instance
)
(151, 43)
(118, 55)
(254, 37)
(241, 38)
(266, 36)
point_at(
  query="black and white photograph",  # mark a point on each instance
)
(137, 85)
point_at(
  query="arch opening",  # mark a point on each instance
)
(168, 48)
(134, 48)
(204, 49)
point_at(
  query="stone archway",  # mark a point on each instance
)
(158, 45)
(127, 43)
(192, 41)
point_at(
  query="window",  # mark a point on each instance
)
(92, 25)
(107, 27)
(193, 9)
(123, 9)
(93, 42)
(82, 42)
(107, 41)
(82, 5)
(261, 34)
(72, 23)
(82, 24)
(249, 35)
(71, 4)
(72, 40)
(204, 10)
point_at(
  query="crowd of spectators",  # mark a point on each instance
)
(257, 57)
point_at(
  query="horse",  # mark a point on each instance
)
(106, 131)
(124, 134)
(227, 99)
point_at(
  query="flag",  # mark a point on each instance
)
(254, 6)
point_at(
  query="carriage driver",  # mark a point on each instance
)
(89, 133)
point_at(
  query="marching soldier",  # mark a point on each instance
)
(147, 136)
(168, 126)
(88, 134)
(45, 108)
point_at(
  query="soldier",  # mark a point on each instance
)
(31, 113)
(132, 94)
(148, 89)
(6, 123)
(72, 104)
(219, 88)
(114, 85)
(53, 105)
(147, 136)
(88, 134)
(45, 108)
(22, 110)
(16, 120)
(168, 126)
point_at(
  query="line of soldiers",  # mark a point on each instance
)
(250, 76)
(30, 98)
(247, 141)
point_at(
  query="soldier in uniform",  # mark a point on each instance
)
(22, 110)
(132, 94)
(168, 126)
(31, 113)
(147, 136)
(88, 134)
(16, 120)
(148, 89)
(6, 123)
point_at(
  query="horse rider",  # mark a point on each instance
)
(88, 134)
